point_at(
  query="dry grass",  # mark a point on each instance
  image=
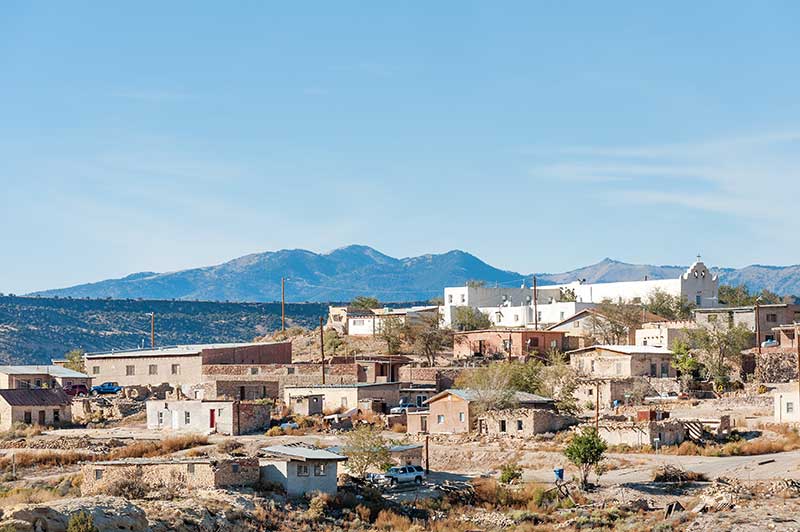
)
(150, 449)
(788, 440)
(21, 430)
(48, 458)
(390, 521)
(399, 428)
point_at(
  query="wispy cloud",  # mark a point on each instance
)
(154, 95)
(751, 175)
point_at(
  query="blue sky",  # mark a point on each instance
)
(540, 136)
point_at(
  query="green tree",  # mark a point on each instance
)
(391, 332)
(427, 338)
(75, 360)
(613, 323)
(684, 361)
(365, 447)
(720, 347)
(81, 522)
(491, 385)
(332, 341)
(740, 296)
(586, 452)
(668, 306)
(559, 381)
(473, 283)
(567, 295)
(365, 302)
(470, 319)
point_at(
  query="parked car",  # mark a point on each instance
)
(79, 390)
(106, 388)
(403, 408)
(404, 474)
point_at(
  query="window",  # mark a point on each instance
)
(653, 369)
(187, 418)
(789, 407)
(502, 425)
(98, 474)
(176, 369)
(461, 417)
(698, 300)
(592, 366)
(664, 369)
(56, 416)
(130, 370)
(450, 298)
(516, 317)
(95, 370)
(161, 418)
(576, 324)
(439, 419)
(152, 369)
(290, 371)
(553, 343)
(519, 424)
(463, 298)
(507, 345)
(234, 468)
(253, 371)
(302, 470)
(539, 316)
(27, 417)
(344, 402)
(772, 318)
(38, 383)
(190, 469)
(358, 323)
(644, 342)
(561, 316)
(534, 342)
(319, 470)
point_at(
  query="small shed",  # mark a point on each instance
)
(300, 469)
(306, 404)
(42, 406)
(403, 455)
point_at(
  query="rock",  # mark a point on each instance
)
(110, 514)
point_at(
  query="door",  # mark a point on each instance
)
(241, 393)
(423, 423)
(212, 418)
(41, 417)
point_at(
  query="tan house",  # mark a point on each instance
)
(523, 422)
(455, 411)
(306, 405)
(347, 396)
(587, 327)
(39, 406)
(50, 376)
(181, 365)
(621, 361)
(174, 473)
(768, 317)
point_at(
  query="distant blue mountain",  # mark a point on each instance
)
(361, 270)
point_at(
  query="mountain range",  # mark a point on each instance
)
(344, 273)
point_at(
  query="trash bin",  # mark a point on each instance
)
(559, 474)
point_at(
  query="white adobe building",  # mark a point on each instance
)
(696, 285)
(513, 307)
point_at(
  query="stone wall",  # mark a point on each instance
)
(523, 422)
(443, 378)
(635, 434)
(776, 365)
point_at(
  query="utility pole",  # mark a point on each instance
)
(427, 460)
(152, 330)
(535, 305)
(597, 406)
(797, 348)
(322, 348)
(758, 329)
(283, 304)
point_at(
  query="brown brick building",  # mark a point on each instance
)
(516, 342)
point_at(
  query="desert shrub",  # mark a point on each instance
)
(44, 459)
(128, 488)
(688, 448)
(229, 446)
(668, 473)
(22, 430)
(305, 422)
(317, 507)
(399, 428)
(179, 443)
(390, 521)
(275, 431)
(81, 522)
(510, 472)
(364, 513)
(194, 453)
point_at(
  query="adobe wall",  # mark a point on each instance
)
(524, 422)
(266, 353)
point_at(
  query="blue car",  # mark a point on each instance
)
(106, 388)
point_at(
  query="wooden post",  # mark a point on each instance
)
(597, 407)
(797, 348)
(322, 348)
(758, 329)
(152, 330)
(535, 305)
(283, 304)
(427, 460)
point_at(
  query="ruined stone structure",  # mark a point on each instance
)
(176, 474)
(637, 433)
(523, 422)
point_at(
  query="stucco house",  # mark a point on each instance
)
(769, 317)
(371, 322)
(224, 417)
(300, 469)
(305, 404)
(455, 411)
(40, 406)
(49, 376)
(588, 327)
(347, 396)
(621, 361)
(507, 341)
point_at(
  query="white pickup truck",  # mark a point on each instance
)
(403, 474)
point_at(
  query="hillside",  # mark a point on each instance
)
(360, 270)
(34, 330)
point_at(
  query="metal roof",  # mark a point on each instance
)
(302, 453)
(403, 448)
(172, 350)
(626, 349)
(55, 371)
(474, 395)
(35, 397)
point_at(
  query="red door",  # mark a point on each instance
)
(212, 416)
